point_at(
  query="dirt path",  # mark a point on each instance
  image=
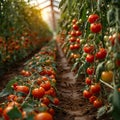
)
(70, 93)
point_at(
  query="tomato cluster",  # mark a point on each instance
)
(35, 86)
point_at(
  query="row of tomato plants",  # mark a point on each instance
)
(90, 39)
(22, 30)
(32, 94)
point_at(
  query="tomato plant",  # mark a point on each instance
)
(33, 85)
(99, 47)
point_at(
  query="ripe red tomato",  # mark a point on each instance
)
(101, 54)
(39, 81)
(51, 111)
(71, 47)
(95, 88)
(90, 71)
(87, 94)
(23, 89)
(75, 26)
(88, 48)
(93, 18)
(72, 39)
(38, 92)
(113, 37)
(95, 27)
(117, 62)
(78, 40)
(97, 103)
(78, 33)
(27, 74)
(76, 46)
(74, 20)
(88, 81)
(56, 101)
(46, 100)
(12, 97)
(90, 58)
(73, 33)
(92, 99)
(1, 111)
(46, 85)
(51, 92)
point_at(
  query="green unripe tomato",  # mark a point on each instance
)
(110, 65)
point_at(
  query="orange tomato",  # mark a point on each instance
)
(46, 85)
(97, 103)
(43, 116)
(107, 76)
(46, 100)
(38, 92)
(23, 89)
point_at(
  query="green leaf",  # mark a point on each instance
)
(8, 89)
(10, 83)
(115, 114)
(5, 92)
(70, 5)
(111, 17)
(75, 65)
(101, 111)
(30, 117)
(39, 69)
(27, 107)
(99, 70)
(83, 67)
(68, 54)
(99, 3)
(42, 109)
(14, 113)
(116, 99)
(50, 98)
(54, 66)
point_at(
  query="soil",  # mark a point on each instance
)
(72, 104)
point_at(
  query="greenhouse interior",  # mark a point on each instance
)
(59, 60)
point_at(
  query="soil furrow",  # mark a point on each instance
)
(70, 91)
